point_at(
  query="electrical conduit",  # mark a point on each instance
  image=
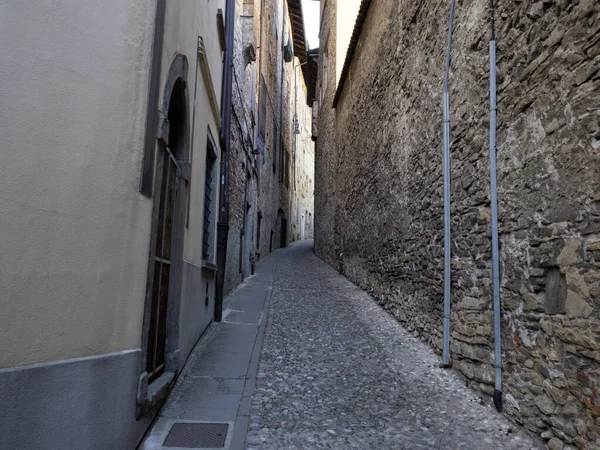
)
(447, 240)
(225, 142)
(494, 200)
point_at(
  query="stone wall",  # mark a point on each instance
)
(325, 148)
(379, 196)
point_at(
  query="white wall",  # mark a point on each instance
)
(347, 11)
(74, 229)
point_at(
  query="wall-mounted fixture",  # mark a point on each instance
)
(249, 54)
(288, 53)
(221, 29)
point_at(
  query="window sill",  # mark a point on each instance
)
(209, 266)
(157, 392)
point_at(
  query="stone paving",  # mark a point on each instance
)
(337, 372)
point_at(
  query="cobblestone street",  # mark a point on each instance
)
(336, 371)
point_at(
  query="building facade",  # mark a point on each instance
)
(267, 158)
(379, 190)
(109, 213)
(303, 170)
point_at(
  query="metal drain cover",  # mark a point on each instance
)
(197, 435)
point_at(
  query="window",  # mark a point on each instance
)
(258, 230)
(252, 90)
(287, 169)
(275, 142)
(262, 109)
(283, 163)
(209, 198)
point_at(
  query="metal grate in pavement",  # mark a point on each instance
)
(197, 435)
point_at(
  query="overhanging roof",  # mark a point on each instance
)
(311, 75)
(299, 36)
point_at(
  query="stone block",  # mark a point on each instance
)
(548, 434)
(584, 337)
(580, 442)
(478, 372)
(545, 404)
(563, 425)
(473, 303)
(556, 292)
(575, 306)
(555, 444)
(571, 253)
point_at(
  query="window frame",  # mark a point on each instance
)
(208, 221)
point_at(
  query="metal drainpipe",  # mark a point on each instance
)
(280, 50)
(260, 41)
(494, 200)
(147, 180)
(447, 240)
(225, 142)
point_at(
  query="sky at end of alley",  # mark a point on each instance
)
(311, 12)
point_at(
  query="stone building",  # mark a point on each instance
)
(108, 217)
(271, 166)
(379, 189)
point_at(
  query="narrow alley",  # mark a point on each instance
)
(336, 371)
(300, 224)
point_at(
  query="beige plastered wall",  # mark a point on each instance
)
(74, 228)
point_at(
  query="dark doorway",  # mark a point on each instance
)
(258, 231)
(283, 242)
(168, 173)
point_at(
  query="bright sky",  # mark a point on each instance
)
(311, 10)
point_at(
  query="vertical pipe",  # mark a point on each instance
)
(282, 75)
(260, 55)
(225, 142)
(494, 200)
(147, 180)
(294, 211)
(447, 238)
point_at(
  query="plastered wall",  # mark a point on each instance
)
(74, 228)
